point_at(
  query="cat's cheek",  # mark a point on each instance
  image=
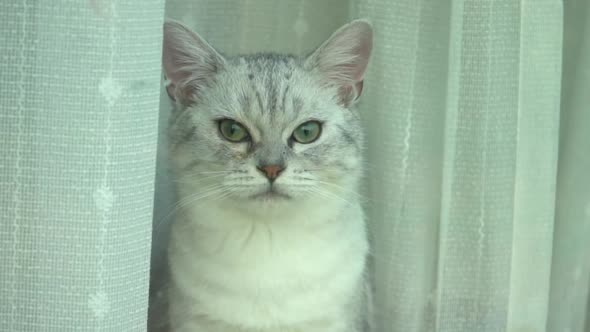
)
(303, 150)
(241, 159)
(240, 156)
(243, 155)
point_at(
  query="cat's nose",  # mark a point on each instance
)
(271, 171)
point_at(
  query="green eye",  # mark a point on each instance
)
(233, 131)
(307, 132)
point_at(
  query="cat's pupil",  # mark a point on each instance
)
(233, 129)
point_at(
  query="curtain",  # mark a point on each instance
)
(79, 93)
(478, 186)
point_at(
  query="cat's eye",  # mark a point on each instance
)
(233, 131)
(307, 132)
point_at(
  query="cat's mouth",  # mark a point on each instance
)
(270, 194)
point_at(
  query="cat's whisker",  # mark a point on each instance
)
(343, 189)
(219, 172)
(336, 186)
(328, 194)
(189, 200)
(197, 176)
(193, 182)
(226, 193)
(196, 179)
(317, 192)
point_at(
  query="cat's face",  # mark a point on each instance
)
(266, 128)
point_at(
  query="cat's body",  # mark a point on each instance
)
(269, 234)
(278, 273)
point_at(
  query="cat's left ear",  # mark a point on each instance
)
(342, 60)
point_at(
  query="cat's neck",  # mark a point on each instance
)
(227, 214)
(236, 236)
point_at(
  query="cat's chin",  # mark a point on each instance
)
(266, 201)
(270, 195)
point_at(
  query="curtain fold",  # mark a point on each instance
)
(78, 137)
(537, 138)
(570, 271)
(500, 166)
(403, 107)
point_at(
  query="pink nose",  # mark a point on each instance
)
(271, 171)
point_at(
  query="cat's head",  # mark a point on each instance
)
(266, 127)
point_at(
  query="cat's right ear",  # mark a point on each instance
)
(189, 61)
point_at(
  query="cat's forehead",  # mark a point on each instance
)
(267, 63)
(267, 71)
(270, 87)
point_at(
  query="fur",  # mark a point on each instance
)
(244, 261)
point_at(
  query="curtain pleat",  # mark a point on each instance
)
(537, 139)
(78, 136)
(479, 165)
(500, 166)
(570, 270)
(403, 109)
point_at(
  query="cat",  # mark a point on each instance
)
(266, 154)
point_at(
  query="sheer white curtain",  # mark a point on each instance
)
(478, 144)
(79, 90)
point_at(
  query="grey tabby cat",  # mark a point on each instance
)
(266, 155)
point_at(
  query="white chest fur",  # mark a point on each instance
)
(287, 271)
